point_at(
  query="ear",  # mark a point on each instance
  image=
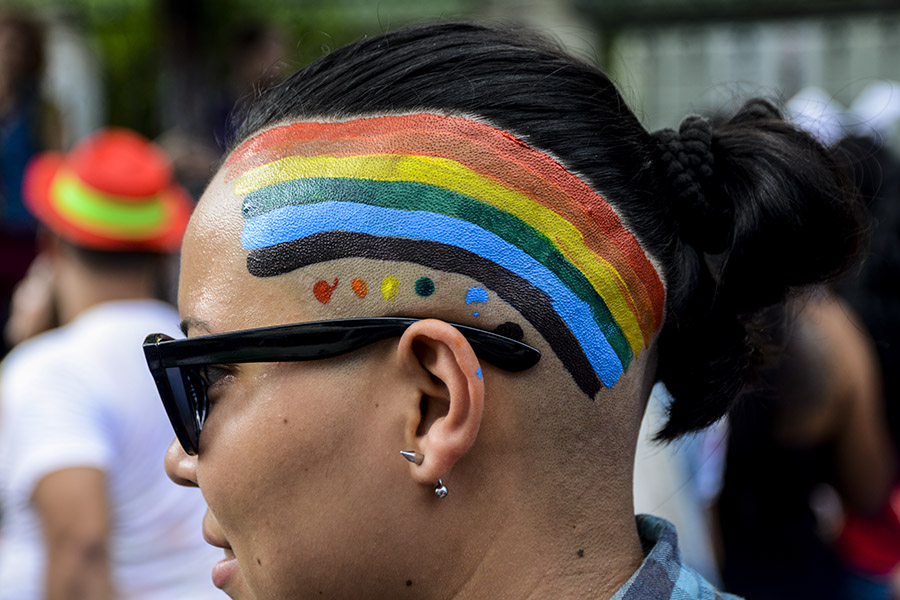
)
(447, 375)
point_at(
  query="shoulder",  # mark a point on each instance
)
(34, 357)
(104, 338)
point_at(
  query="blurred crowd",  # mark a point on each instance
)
(795, 496)
(91, 220)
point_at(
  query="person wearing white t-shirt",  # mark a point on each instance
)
(87, 510)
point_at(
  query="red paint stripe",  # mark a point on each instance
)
(486, 150)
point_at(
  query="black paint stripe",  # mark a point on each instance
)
(528, 300)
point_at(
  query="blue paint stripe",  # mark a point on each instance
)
(294, 222)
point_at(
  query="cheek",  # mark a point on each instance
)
(279, 468)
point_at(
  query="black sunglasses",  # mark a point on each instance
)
(177, 365)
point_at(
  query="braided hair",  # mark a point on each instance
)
(735, 216)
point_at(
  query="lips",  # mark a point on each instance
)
(222, 571)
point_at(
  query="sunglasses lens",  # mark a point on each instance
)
(189, 396)
(196, 388)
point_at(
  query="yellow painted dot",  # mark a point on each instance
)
(389, 288)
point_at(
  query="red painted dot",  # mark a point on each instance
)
(323, 291)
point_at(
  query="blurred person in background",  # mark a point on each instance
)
(88, 512)
(869, 543)
(815, 424)
(811, 447)
(28, 125)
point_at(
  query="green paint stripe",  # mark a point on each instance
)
(414, 196)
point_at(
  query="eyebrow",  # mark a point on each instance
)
(191, 322)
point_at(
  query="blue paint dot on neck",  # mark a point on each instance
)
(478, 372)
(475, 314)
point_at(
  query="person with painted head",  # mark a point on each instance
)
(427, 295)
(87, 509)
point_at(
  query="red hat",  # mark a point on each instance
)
(113, 191)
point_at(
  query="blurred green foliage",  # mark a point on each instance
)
(129, 36)
(132, 38)
(125, 37)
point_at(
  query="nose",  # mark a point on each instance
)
(180, 466)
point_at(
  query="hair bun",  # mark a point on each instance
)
(794, 222)
(687, 162)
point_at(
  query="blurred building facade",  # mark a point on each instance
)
(710, 66)
(666, 55)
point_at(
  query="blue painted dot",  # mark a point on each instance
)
(478, 372)
(475, 314)
(476, 294)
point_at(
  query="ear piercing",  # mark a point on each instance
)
(413, 457)
(440, 490)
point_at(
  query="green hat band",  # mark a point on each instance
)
(106, 214)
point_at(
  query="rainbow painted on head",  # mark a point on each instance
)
(459, 196)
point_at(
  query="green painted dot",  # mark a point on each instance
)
(424, 286)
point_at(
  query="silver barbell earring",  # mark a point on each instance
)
(440, 490)
(413, 457)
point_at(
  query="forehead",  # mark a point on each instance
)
(452, 195)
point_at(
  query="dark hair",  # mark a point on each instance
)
(736, 216)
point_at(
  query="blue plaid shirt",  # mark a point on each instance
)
(662, 575)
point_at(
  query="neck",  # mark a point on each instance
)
(578, 540)
(581, 561)
(81, 289)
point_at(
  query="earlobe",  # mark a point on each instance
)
(451, 395)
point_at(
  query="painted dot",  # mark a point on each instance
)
(322, 290)
(510, 330)
(475, 314)
(478, 372)
(360, 287)
(424, 286)
(476, 294)
(389, 288)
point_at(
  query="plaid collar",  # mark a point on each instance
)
(662, 575)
